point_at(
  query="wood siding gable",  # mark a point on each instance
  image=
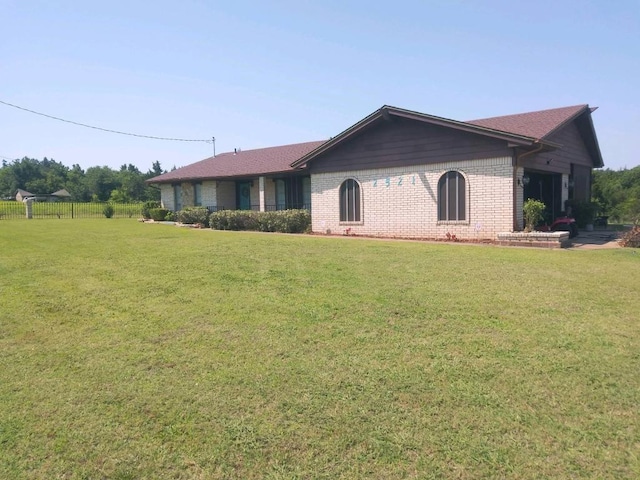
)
(573, 150)
(398, 142)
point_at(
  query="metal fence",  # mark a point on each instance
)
(215, 209)
(267, 207)
(11, 210)
(288, 206)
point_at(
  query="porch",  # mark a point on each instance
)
(553, 189)
(261, 194)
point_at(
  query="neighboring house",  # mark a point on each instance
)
(399, 173)
(22, 194)
(60, 195)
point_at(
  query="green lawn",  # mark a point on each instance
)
(131, 350)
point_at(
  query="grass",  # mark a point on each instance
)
(146, 351)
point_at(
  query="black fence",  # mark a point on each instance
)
(215, 209)
(268, 208)
(11, 210)
(289, 206)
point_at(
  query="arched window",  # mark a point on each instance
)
(350, 201)
(452, 197)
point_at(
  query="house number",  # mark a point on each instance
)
(399, 183)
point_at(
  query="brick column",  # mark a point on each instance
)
(261, 187)
(519, 200)
(29, 207)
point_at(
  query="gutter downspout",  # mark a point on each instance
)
(515, 179)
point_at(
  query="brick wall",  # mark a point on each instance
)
(402, 201)
(187, 194)
(269, 191)
(227, 194)
(166, 196)
(254, 193)
(519, 201)
(209, 194)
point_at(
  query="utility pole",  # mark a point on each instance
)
(213, 140)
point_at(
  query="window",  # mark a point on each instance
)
(452, 197)
(197, 194)
(177, 197)
(281, 194)
(293, 192)
(350, 201)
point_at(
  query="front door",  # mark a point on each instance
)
(243, 195)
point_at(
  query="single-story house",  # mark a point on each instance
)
(23, 194)
(400, 173)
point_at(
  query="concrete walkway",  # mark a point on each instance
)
(596, 239)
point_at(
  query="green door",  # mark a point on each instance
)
(243, 195)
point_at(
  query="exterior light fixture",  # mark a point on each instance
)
(524, 181)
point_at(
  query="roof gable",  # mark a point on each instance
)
(385, 112)
(520, 130)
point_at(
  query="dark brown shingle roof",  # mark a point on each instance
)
(536, 125)
(527, 128)
(261, 161)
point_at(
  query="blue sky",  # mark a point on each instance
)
(257, 74)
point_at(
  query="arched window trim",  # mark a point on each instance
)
(466, 197)
(350, 201)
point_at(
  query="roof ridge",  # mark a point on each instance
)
(269, 148)
(545, 110)
(538, 124)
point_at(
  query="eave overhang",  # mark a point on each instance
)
(222, 178)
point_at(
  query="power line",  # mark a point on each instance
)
(105, 129)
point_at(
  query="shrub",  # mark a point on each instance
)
(108, 210)
(170, 217)
(284, 221)
(193, 215)
(533, 213)
(147, 206)
(158, 214)
(233, 220)
(631, 238)
(583, 211)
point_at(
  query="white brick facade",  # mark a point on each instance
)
(209, 195)
(166, 196)
(402, 202)
(227, 194)
(269, 192)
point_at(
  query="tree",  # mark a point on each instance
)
(8, 181)
(76, 184)
(100, 182)
(156, 170)
(617, 193)
(97, 183)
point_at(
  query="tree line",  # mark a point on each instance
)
(97, 184)
(617, 193)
